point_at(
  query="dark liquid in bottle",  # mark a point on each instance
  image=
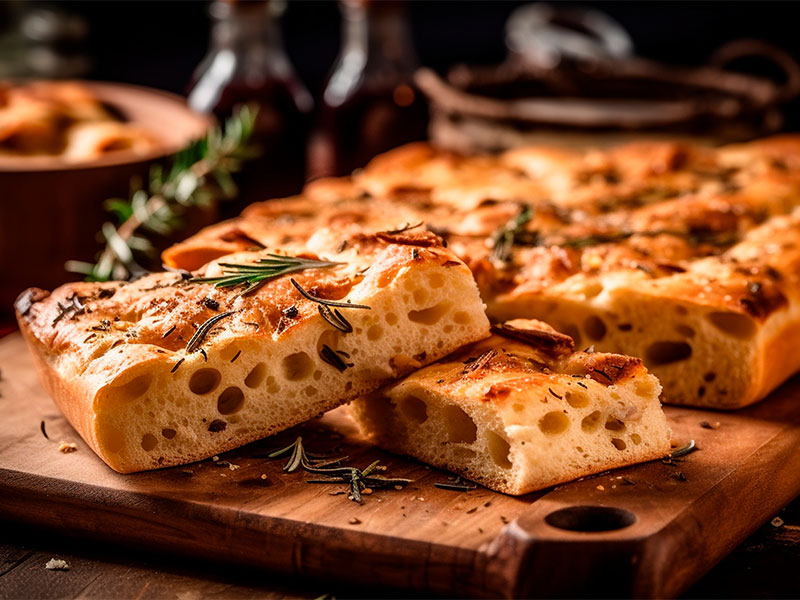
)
(371, 121)
(280, 133)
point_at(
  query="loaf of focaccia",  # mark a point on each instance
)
(521, 411)
(684, 256)
(171, 369)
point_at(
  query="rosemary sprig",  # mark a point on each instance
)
(359, 480)
(255, 275)
(503, 239)
(200, 174)
(300, 457)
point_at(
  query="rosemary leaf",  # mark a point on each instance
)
(313, 298)
(253, 276)
(684, 450)
(202, 331)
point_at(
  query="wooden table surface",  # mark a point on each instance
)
(765, 566)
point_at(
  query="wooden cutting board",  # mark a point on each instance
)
(649, 530)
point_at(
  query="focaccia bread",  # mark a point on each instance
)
(660, 250)
(168, 369)
(521, 411)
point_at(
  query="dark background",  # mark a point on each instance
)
(159, 43)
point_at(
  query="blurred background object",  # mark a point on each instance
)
(247, 63)
(42, 39)
(336, 83)
(572, 78)
(369, 103)
(52, 208)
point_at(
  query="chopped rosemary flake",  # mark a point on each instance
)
(335, 318)
(599, 372)
(235, 356)
(313, 298)
(44, 431)
(683, 451)
(202, 331)
(265, 269)
(402, 229)
(459, 485)
(332, 358)
(104, 325)
(170, 330)
(73, 306)
(177, 364)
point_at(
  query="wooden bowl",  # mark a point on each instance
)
(51, 209)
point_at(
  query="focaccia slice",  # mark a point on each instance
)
(167, 370)
(521, 411)
(717, 331)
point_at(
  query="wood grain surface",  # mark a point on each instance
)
(685, 516)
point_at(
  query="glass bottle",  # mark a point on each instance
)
(370, 103)
(247, 62)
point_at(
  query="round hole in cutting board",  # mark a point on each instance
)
(591, 518)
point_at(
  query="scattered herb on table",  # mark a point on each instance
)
(360, 481)
(457, 485)
(683, 451)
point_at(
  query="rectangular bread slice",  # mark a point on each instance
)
(167, 370)
(521, 411)
(717, 331)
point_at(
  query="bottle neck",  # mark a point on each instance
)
(376, 49)
(250, 32)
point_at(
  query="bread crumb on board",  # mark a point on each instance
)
(67, 447)
(57, 564)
